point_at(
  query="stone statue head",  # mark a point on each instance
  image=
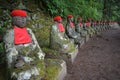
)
(19, 18)
(70, 18)
(58, 20)
(79, 19)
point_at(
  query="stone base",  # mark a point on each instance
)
(87, 38)
(63, 72)
(82, 43)
(68, 57)
(71, 56)
(56, 69)
(115, 26)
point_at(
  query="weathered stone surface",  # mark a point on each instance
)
(56, 69)
(72, 55)
(25, 61)
(59, 41)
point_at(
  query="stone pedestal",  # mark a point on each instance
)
(71, 56)
(115, 26)
(56, 69)
(82, 42)
(87, 38)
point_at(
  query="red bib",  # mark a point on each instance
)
(71, 24)
(60, 27)
(21, 36)
(81, 24)
(87, 24)
(94, 22)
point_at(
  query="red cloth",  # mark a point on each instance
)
(57, 18)
(60, 27)
(18, 13)
(21, 36)
(72, 25)
(80, 24)
(94, 23)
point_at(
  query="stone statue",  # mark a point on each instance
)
(94, 24)
(79, 27)
(58, 39)
(97, 26)
(88, 27)
(70, 30)
(24, 57)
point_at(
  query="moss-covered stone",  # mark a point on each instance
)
(40, 25)
(41, 65)
(51, 72)
(50, 51)
(42, 36)
(52, 69)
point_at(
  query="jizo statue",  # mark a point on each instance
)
(23, 54)
(88, 27)
(58, 39)
(70, 30)
(79, 27)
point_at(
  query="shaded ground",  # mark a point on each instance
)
(98, 59)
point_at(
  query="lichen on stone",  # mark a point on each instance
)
(52, 69)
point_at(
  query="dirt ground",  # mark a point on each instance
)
(98, 59)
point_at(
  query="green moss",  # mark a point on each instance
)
(53, 67)
(35, 63)
(42, 36)
(23, 68)
(41, 65)
(24, 50)
(34, 52)
(72, 48)
(42, 33)
(50, 51)
(51, 72)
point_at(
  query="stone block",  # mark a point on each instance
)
(87, 38)
(56, 69)
(71, 56)
(82, 42)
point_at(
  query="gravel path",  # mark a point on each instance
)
(98, 59)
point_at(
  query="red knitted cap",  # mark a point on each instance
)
(79, 18)
(57, 18)
(18, 13)
(70, 16)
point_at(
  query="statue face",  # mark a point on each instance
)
(79, 20)
(70, 19)
(60, 21)
(19, 21)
